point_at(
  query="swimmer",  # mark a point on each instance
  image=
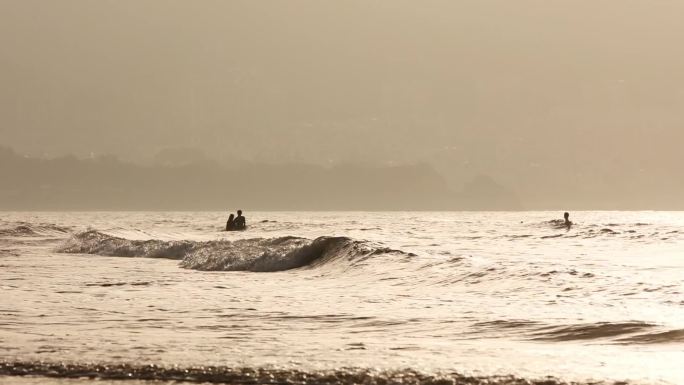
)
(230, 225)
(567, 220)
(240, 223)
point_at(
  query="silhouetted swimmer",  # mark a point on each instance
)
(230, 225)
(567, 220)
(240, 223)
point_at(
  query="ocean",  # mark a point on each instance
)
(342, 297)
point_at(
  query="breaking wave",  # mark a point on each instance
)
(256, 255)
(258, 376)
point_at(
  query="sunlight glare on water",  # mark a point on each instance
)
(483, 293)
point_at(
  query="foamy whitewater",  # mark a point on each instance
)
(324, 298)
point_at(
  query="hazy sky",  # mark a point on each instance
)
(516, 89)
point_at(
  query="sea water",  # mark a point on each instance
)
(343, 297)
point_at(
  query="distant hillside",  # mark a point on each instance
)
(106, 183)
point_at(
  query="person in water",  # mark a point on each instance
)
(240, 223)
(230, 225)
(567, 220)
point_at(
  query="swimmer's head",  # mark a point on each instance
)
(566, 215)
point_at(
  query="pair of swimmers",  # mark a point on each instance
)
(236, 223)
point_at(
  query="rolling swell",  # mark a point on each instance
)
(589, 331)
(621, 333)
(23, 229)
(256, 255)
